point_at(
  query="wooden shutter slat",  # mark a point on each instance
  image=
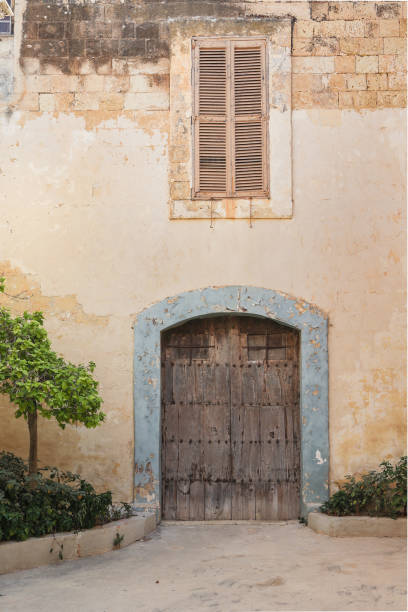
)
(212, 81)
(249, 137)
(212, 160)
(211, 120)
(248, 156)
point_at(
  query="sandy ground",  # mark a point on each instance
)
(227, 568)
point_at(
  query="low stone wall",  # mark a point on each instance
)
(74, 545)
(357, 526)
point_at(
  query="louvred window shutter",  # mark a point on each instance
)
(230, 118)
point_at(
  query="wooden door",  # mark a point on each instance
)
(230, 420)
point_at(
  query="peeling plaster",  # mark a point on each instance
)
(307, 318)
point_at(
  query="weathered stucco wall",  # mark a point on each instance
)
(85, 233)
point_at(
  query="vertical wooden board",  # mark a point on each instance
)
(285, 373)
(207, 374)
(243, 501)
(267, 503)
(169, 509)
(238, 469)
(249, 384)
(270, 432)
(217, 501)
(251, 447)
(183, 500)
(171, 441)
(167, 382)
(197, 510)
(272, 394)
(179, 383)
(216, 442)
(287, 510)
(189, 445)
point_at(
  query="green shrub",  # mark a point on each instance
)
(56, 501)
(381, 492)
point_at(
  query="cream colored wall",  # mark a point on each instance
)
(85, 232)
(85, 236)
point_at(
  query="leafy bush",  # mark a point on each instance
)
(56, 501)
(381, 492)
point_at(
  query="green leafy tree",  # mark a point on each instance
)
(40, 382)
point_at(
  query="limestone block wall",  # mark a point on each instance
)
(85, 184)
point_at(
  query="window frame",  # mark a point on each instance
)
(9, 19)
(230, 117)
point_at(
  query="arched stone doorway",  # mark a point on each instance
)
(311, 324)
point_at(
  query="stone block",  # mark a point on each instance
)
(367, 63)
(356, 82)
(109, 47)
(178, 153)
(329, 28)
(85, 101)
(33, 552)
(392, 99)
(64, 101)
(103, 65)
(47, 103)
(131, 47)
(303, 47)
(345, 64)
(156, 100)
(389, 27)
(38, 83)
(388, 63)
(337, 82)
(312, 65)
(30, 30)
(51, 30)
(377, 82)
(396, 46)
(319, 11)
(354, 29)
(370, 46)
(150, 523)
(180, 190)
(346, 99)
(111, 101)
(389, 10)
(116, 84)
(53, 48)
(91, 83)
(140, 83)
(303, 29)
(307, 82)
(364, 10)
(397, 80)
(325, 46)
(372, 29)
(350, 46)
(30, 102)
(366, 99)
(31, 65)
(55, 66)
(76, 47)
(357, 526)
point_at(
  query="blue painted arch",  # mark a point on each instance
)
(307, 318)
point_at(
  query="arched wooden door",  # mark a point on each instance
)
(230, 420)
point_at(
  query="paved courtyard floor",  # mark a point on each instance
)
(223, 568)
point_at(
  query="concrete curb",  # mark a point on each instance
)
(357, 526)
(37, 551)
